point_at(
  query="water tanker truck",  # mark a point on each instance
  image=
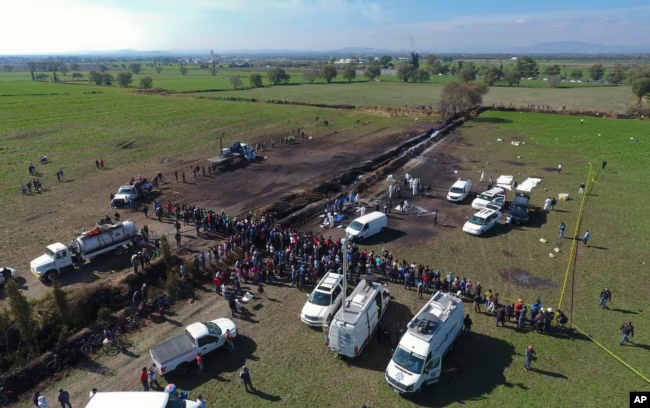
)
(100, 240)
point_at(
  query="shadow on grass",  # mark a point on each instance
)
(390, 235)
(93, 366)
(641, 346)
(549, 373)
(471, 371)
(217, 363)
(265, 396)
(490, 120)
(624, 311)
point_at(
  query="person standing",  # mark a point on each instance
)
(137, 299)
(562, 228)
(145, 210)
(97, 164)
(490, 183)
(199, 361)
(530, 352)
(586, 237)
(547, 204)
(627, 331)
(64, 398)
(229, 341)
(477, 302)
(42, 402)
(605, 296)
(604, 164)
(145, 292)
(559, 168)
(245, 375)
(581, 190)
(177, 236)
(152, 378)
(144, 379)
(482, 176)
(420, 289)
(467, 323)
(561, 322)
(92, 393)
(35, 398)
(435, 217)
(200, 402)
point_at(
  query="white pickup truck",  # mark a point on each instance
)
(179, 354)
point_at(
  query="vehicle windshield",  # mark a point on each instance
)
(485, 197)
(477, 220)
(493, 206)
(356, 225)
(213, 328)
(456, 190)
(409, 361)
(49, 253)
(175, 402)
(320, 298)
(124, 191)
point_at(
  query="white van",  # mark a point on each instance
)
(486, 197)
(323, 302)
(151, 399)
(356, 321)
(417, 360)
(459, 190)
(367, 226)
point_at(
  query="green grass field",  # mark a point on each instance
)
(75, 130)
(398, 94)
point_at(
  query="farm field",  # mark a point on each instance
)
(398, 94)
(486, 367)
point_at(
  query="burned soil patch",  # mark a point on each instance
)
(514, 163)
(524, 278)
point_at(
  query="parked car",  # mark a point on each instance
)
(519, 210)
(482, 221)
(459, 190)
(484, 198)
(496, 204)
(179, 354)
(6, 273)
(324, 301)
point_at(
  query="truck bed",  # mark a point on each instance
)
(172, 348)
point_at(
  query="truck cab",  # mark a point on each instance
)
(49, 265)
(124, 195)
(417, 360)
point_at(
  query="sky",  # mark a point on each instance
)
(45, 26)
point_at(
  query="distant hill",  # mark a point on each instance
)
(576, 47)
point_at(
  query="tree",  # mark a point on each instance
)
(481, 87)
(124, 79)
(577, 74)
(183, 69)
(527, 68)
(328, 72)
(63, 68)
(213, 70)
(468, 73)
(596, 72)
(512, 77)
(135, 68)
(32, 67)
(107, 79)
(77, 75)
(256, 80)
(372, 71)
(641, 87)
(552, 70)
(159, 69)
(95, 77)
(616, 76)
(235, 81)
(385, 61)
(103, 68)
(41, 77)
(74, 66)
(62, 308)
(311, 75)
(415, 60)
(278, 76)
(349, 73)
(459, 97)
(421, 75)
(21, 310)
(405, 72)
(431, 62)
(554, 81)
(146, 82)
(493, 75)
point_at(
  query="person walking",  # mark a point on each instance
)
(144, 379)
(420, 289)
(229, 341)
(245, 375)
(152, 378)
(467, 323)
(64, 398)
(199, 361)
(605, 296)
(559, 168)
(177, 236)
(562, 228)
(232, 305)
(490, 183)
(530, 352)
(581, 190)
(604, 164)
(627, 331)
(482, 176)
(477, 302)
(586, 237)
(435, 217)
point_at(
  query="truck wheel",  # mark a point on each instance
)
(183, 368)
(52, 276)
(6, 274)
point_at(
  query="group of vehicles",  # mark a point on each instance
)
(352, 321)
(489, 206)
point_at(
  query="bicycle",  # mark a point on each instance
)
(116, 343)
(90, 342)
(55, 365)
